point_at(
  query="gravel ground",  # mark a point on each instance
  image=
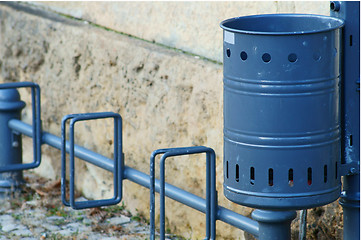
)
(38, 213)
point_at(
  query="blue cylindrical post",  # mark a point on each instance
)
(274, 225)
(350, 201)
(10, 141)
(349, 11)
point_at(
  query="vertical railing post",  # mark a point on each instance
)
(349, 11)
(10, 141)
(274, 224)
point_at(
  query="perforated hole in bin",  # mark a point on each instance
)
(266, 57)
(309, 176)
(237, 173)
(243, 55)
(251, 175)
(270, 177)
(228, 52)
(227, 169)
(336, 173)
(290, 177)
(325, 173)
(292, 57)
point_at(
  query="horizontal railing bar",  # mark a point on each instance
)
(175, 193)
(237, 220)
(55, 141)
(193, 201)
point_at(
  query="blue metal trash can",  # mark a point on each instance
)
(282, 110)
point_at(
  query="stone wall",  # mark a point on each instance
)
(190, 26)
(167, 98)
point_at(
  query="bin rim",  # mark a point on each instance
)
(338, 23)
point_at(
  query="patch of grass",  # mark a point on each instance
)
(28, 197)
(139, 217)
(114, 208)
(56, 212)
(16, 217)
(136, 218)
(59, 222)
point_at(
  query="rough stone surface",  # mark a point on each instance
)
(190, 26)
(166, 99)
(119, 220)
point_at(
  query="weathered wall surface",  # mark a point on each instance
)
(190, 26)
(166, 98)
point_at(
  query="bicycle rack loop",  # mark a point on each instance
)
(118, 159)
(211, 192)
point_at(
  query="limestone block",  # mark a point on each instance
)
(190, 26)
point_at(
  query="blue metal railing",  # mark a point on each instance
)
(219, 213)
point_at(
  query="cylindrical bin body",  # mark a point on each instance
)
(282, 110)
(10, 142)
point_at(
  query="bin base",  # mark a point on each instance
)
(279, 201)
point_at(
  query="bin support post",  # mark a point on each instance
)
(10, 141)
(274, 224)
(350, 202)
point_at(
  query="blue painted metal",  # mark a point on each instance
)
(11, 142)
(350, 202)
(274, 225)
(281, 110)
(117, 166)
(152, 191)
(223, 214)
(36, 126)
(56, 142)
(211, 193)
(349, 11)
(350, 121)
